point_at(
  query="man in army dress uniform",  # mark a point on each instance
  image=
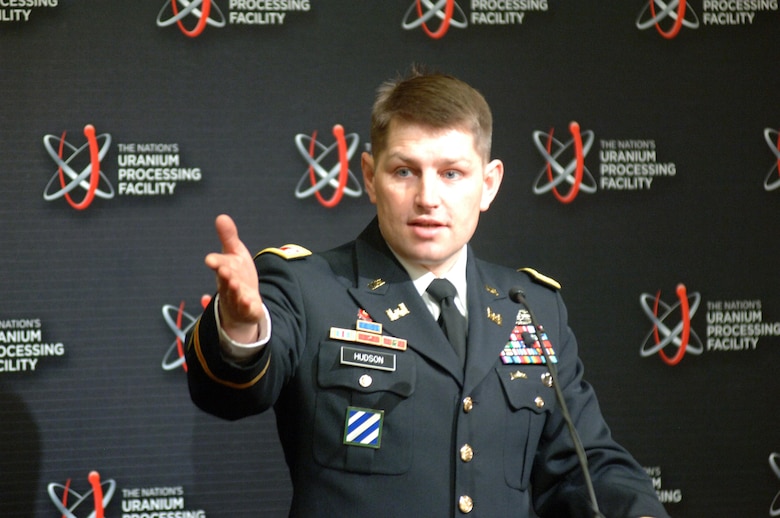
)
(395, 396)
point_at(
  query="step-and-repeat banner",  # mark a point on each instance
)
(642, 149)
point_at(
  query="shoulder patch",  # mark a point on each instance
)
(287, 251)
(541, 278)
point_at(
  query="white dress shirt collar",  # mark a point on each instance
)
(421, 277)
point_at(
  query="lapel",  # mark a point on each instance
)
(491, 320)
(384, 289)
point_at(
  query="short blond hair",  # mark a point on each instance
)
(436, 100)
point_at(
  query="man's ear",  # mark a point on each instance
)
(494, 173)
(367, 164)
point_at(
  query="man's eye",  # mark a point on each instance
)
(451, 175)
(403, 172)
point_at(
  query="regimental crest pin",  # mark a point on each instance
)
(376, 284)
(491, 290)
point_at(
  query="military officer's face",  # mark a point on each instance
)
(429, 186)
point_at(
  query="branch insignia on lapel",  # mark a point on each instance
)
(496, 318)
(400, 311)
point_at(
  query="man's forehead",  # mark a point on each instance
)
(398, 137)
(397, 125)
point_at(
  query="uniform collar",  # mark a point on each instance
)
(422, 277)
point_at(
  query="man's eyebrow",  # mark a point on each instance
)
(442, 160)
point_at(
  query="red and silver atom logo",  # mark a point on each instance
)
(180, 323)
(772, 180)
(447, 11)
(774, 507)
(338, 177)
(556, 171)
(201, 10)
(663, 334)
(68, 158)
(674, 10)
(61, 495)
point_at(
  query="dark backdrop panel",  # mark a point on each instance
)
(94, 299)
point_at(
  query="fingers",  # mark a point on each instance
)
(237, 281)
(231, 244)
(239, 301)
(228, 235)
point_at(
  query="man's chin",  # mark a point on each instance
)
(429, 261)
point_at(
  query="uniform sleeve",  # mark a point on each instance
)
(231, 389)
(241, 351)
(622, 487)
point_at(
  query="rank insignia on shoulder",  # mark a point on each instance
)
(541, 278)
(287, 251)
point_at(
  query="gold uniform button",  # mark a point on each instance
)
(466, 453)
(465, 504)
(539, 402)
(468, 404)
(547, 379)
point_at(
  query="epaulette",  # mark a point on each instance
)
(288, 252)
(541, 279)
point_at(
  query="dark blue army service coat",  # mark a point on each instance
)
(370, 428)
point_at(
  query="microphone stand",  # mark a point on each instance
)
(516, 294)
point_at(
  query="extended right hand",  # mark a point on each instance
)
(240, 303)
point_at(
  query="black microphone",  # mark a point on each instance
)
(517, 295)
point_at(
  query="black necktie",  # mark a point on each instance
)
(452, 322)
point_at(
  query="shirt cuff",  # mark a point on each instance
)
(241, 351)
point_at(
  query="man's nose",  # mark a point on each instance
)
(428, 190)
